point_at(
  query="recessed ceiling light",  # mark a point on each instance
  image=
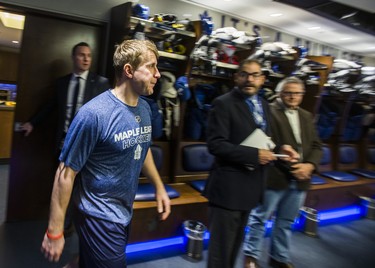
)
(346, 38)
(276, 15)
(12, 20)
(314, 28)
(348, 16)
(15, 42)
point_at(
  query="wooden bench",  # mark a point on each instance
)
(146, 226)
(336, 194)
(191, 205)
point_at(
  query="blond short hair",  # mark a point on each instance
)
(132, 52)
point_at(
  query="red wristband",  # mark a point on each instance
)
(54, 237)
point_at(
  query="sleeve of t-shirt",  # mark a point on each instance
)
(80, 140)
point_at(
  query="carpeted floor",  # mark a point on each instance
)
(348, 244)
(345, 245)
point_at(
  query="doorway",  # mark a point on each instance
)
(47, 40)
(11, 30)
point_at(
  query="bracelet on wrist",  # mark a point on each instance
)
(54, 237)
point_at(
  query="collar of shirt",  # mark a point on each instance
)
(254, 97)
(82, 75)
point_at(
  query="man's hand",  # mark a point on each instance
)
(28, 128)
(302, 171)
(163, 204)
(293, 156)
(52, 249)
(265, 156)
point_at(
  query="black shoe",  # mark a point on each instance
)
(251, 262)
(276, 264)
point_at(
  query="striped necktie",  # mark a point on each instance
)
(257, 113)
(75, 98)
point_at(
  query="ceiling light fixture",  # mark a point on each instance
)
(346, 38)
(344, 17)
(12, 20)
(314, 28)
(276, 15)
(15, 42)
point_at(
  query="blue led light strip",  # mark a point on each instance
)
(154, 244)
(331, 216)
(337, 214)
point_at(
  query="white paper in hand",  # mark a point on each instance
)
(259, 139)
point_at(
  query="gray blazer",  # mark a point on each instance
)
(279, 176)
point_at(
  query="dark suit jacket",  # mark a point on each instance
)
(237, 181)
(278, 175)
(95, 85)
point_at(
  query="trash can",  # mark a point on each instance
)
(194, 233)
(309, 220)
(368, 204)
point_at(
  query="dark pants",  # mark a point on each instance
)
(227, 229)
(102, 244)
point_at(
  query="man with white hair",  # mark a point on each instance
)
(286, 183)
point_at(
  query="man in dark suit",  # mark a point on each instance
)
(286, 184)
(237, 180)
(71, 93)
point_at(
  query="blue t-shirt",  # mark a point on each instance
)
(108, 142)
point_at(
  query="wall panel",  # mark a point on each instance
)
(45, 55)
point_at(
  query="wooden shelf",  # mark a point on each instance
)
(187, 196)
(336, 194)
(208, 76)
(172, 55)
(226, 65)
(159, 27)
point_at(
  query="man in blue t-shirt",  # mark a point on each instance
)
(108, 143)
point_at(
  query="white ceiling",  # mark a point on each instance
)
(7, 35)
(367, 5)
(294, 22)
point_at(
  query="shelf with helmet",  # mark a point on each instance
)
(161, 28)
(172, 55)
(213, 62)
(173, 40)
(219, 54)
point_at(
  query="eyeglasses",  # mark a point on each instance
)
(246, 75)
(289, 94)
